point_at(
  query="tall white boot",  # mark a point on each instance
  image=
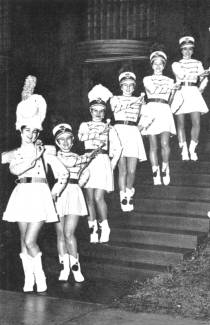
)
(130, 193)
(64, 261)
(105, 231)
(27, 262)
(124, 201)
(93, 226)
(76, 269)
(192, 147)
(184, 153)
(156, 175)
(165, 173)
(40, 278)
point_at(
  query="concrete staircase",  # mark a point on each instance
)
(168, 225)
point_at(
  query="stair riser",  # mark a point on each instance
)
(135, 256)
(173, 193)
(179, 223)
(178, 207)
(178, 167)
(179, 180)
(114, 273)
(154, 238)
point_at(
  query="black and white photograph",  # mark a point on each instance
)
(105, 162)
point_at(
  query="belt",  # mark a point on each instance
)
(101, 151)
(31, 180)
(157, 100)
(72, 181)
(126, 122)
(186, 83)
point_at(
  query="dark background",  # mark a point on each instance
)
(64, 43)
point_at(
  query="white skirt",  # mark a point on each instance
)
(71, 201)
(192, 101)
(101, 175)
(131, 141)
(162, 118)
(31, 202)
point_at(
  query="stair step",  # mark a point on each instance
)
(139, 254)
(159, 206)
(195, 180)
(107, 269)
(171, 192)
(179, 166)
(160, 220)
(154, 236)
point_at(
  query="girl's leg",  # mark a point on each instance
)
(71, 223)
(153, 147)
(182, 136)
(195, 131)
(61, 245)
(31, 235)
(89, 194)
(122, 181)
(22, 228)
(131, 173)
(165, 148)
(92, 222)
(27, 260)
(102, 211)
(165, 152)
(62, 250)
(32, 232)
(100, 204)
(122, 168)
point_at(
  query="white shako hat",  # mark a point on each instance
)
(124, 76)
(186, 41)
(61, 128)
(99, 95)
(31, 112)
(158, 54)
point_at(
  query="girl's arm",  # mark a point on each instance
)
(203, 80)
(115, 147)
(60, 172)
(20, 164)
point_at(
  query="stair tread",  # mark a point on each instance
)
(119, 263)
(144, 214)
(170, 199)
(136, 246)
(161, 230)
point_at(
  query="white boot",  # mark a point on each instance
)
(165, 174)
(192, 147)
(27, 262)
(76, 269)
(156, 175)
(130, 193)
(184, 153)
(105, 231)
(40, 278)
(124, 201)
(64, 274)
(93, 226)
